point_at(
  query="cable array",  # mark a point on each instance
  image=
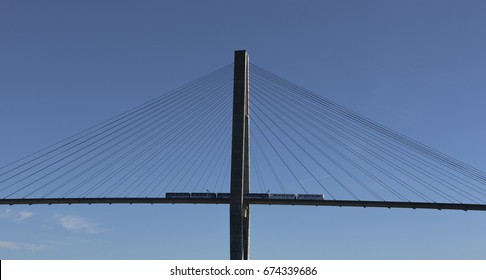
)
(178, 141)
(300, 143)
(304, 143)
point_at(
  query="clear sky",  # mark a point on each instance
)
(415, 66)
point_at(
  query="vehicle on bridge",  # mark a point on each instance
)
(203, 195)
(257, 195)
(223, 195)
(310, 196)
(283, 196)
(177, 195)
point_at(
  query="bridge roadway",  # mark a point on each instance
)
(340, 203)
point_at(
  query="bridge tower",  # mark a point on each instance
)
(240, 161)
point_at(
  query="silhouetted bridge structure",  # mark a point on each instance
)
(340, 203)
(197, 139)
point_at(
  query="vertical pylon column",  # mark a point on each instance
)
(240, 161)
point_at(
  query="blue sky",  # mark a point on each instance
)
(414, 66)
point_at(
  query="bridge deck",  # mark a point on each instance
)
(340, 203)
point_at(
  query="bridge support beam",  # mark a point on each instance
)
(240, 161)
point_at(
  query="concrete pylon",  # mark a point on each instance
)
(240, 161)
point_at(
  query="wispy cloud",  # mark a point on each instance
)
(16, 216)
(78, 224)
(19, 246)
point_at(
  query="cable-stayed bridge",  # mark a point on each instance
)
(192, 145)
